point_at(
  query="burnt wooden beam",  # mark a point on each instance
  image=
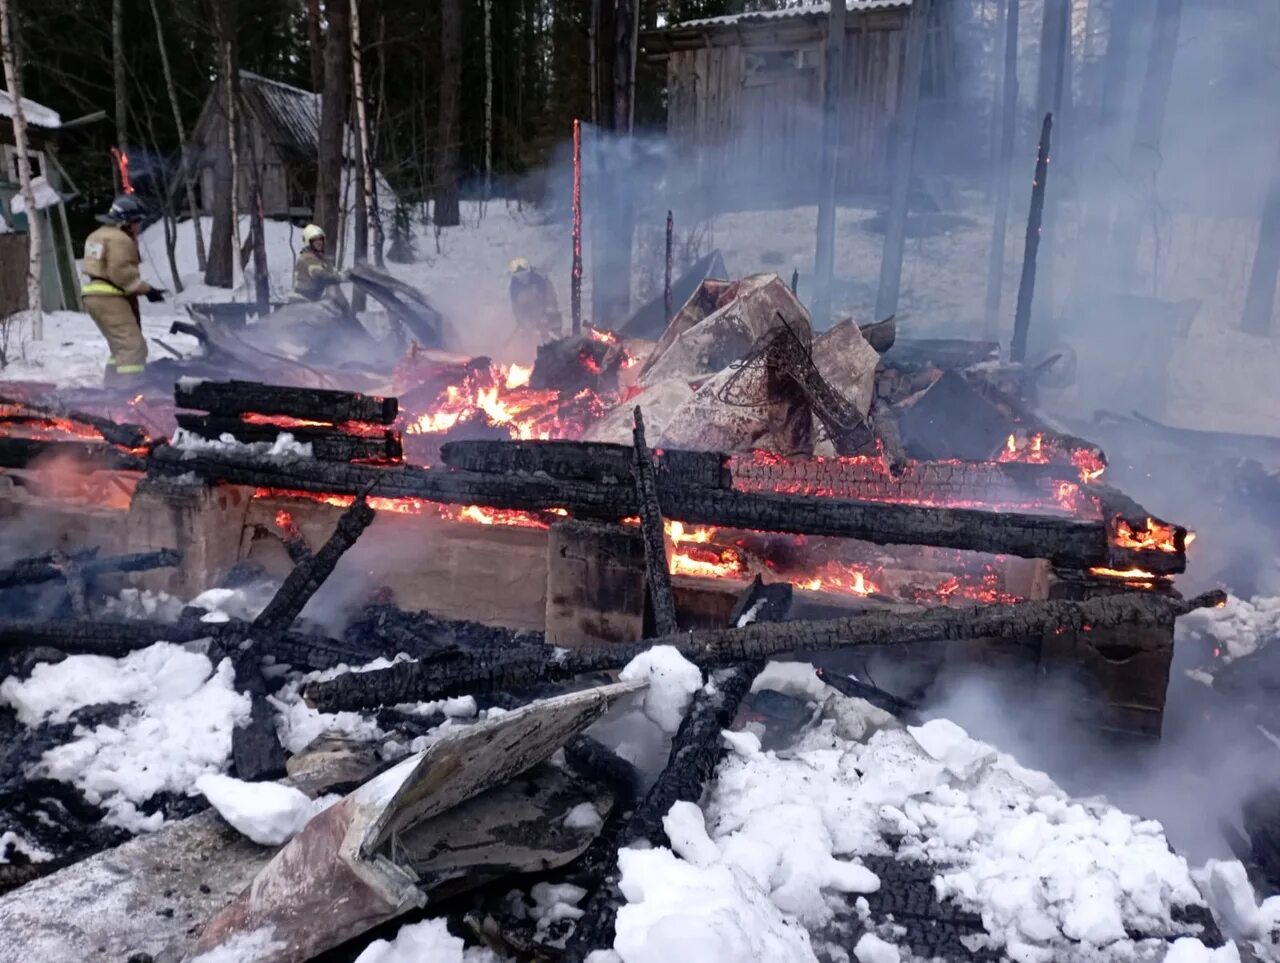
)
(234, 398)
(118, 433)
(23, 452)
(1068, 542)
(420, 681)
(655, 546)
(327, 443)
(307, 577)
(295, 543)
(47, 568)
(585, 461)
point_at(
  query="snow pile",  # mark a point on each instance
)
(428, 940)
(552, 903)
(180, 729)
(134, 603)
(244, 604)
(1239, 627)
(1053, 878)
(672, 679)
(871, 949)
(299, 725)
(285, 445)
(45, 196)
(12, 844)
(1227, 890)
(269, 813)
(255, 945)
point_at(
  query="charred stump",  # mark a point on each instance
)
(655, 548)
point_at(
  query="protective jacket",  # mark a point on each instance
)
(533, 302)
(313, 276)
(111, 262)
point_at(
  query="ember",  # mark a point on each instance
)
(1153, 535)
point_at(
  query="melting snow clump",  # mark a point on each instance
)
(672, 679)
(428, 940)
(269, 813)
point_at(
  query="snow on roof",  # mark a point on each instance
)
(790, 13)
(37, 115)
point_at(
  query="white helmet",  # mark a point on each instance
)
(312, 232)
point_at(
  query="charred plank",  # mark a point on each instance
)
(327, 443)
(307, 577)
(24, 452)
(585, 461)
(46, 568)
(421, 681)
(234, 398)
(118, 433)
(655, 548)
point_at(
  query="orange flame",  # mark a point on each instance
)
(122, 164)
(1153, 535)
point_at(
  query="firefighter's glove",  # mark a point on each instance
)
(156, 295)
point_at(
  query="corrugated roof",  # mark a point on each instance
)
(789, 13)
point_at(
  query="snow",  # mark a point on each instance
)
(583, 816)
(299, 725)
(179, 730)
(36, 114)
(871, 949)
(45, 195)
(950, 745)
(552, 903)
(1189, 950)
(1239, 627)
(285, 445)
(428, 940)
(269, 813)
(672, 679)
(133, 603)
(244, 947)
(19, 845)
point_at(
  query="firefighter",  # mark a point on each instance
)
(314, 276)
(533, 301)
(111, 295)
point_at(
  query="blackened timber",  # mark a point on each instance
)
(295, 543)
(118, 433)
(585, 461)
(47, 568)
(327, 443)
(236, 398)
(1027, 284)
(1068, 542)
(655, 547)
(23, 452)
(255, 747)
(307, 577)
(419, 681)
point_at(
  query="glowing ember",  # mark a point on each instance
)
(1128, 574)
(707, 562)
(599, 334)
(518, 376)
(1032, 451)
(1090, 464)
(677, 532)
(283, 519)
(1153, 535)
(852, 581)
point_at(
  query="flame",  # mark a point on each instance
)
(599, 334)
(518, 376)
(1153, 535)
(853, 581)
(1128, 574)
(122, 164)
(707, 562)
(1034, 452)
(677, 532)
(283, 519)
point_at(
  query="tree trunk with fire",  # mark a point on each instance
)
(446, 173)
(187, 163)
(333, 121)
(13, 82)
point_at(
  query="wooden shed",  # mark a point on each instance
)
(744, 97)
(279, 142)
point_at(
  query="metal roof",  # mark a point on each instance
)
(789, 13)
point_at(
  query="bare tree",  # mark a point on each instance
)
(118, 74)
(333, 119)
(315, 42)
(24, 175)
(224, 241)
(1260, 300)
(1004, 168)
(447, 213)
(488, 97)
(187, 165)
(362, 129)
(824, 253)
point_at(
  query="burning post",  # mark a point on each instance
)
(575, 282)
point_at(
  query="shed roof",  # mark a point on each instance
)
(37, 115)
(290, 114)
(807, 11)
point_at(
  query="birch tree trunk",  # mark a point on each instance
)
(187, 164)
(24, 175)
(118, 75)
(362, 128)
(233, 146)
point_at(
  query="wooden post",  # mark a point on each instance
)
(824, 249)
(575, 279)
(655, 549)
(1027, 286)
(261, 279)
(1008, 124)
(1260, 301)
(904, 149)
(666, 286)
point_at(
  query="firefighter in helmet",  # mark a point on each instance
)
(111, 294)
(314, 275)
(533, 301)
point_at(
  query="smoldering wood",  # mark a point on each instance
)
(907, 712)
(884, 425)
(256, 752)
(953, 420)
(306, 578)
(118, 433)
(584, 460)
(295, 543)
(649, 321)
(327, 444)
(418, 681)
(695, 751)
(762, 602)
(403, 302)
(657, 575)
(27, 452)
(46, 568)
(881, 335)
(235, 398)
(1069, 542)
(1035, 217)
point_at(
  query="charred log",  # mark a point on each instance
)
(256, 752)
(234, 398)
(762, 602)
(46, 568)
(585, 461)
(306, 578)
(655, 548)
(418, 681)
(854, 688)
(118, 433)
(295, 543)
(1068, 542)
(327, 444)
(26, 452)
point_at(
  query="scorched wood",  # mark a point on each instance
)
(1069, 542)
(23, 452)
(236, 398)
(124, 435)
(46, 568)
(307, 577)
(655, 548)
(327, 443)
(420, 681)
(585, 461)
